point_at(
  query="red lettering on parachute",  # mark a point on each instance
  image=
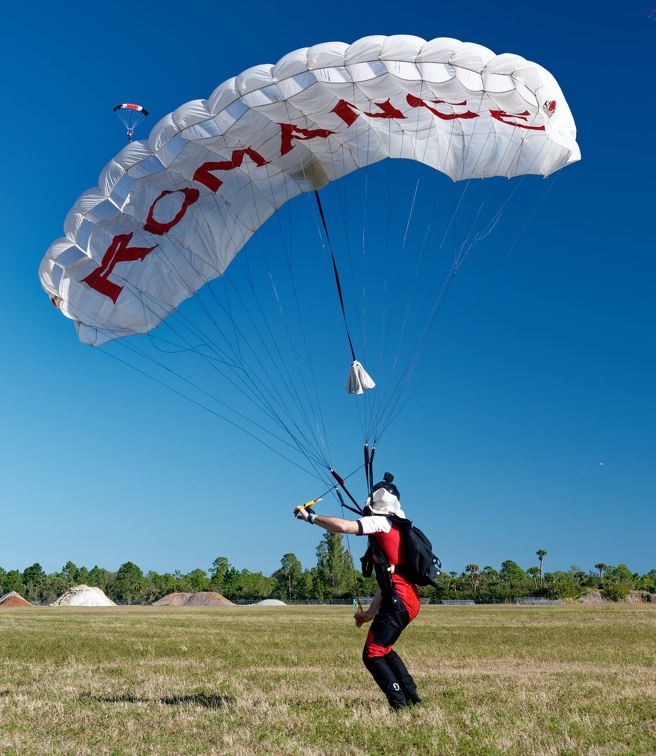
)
(416, 102)
(156, 227)
(117, 252)
(289, 132)
(204, 175)
(501, 115)
(349, 113)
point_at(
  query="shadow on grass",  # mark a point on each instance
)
(206, 700)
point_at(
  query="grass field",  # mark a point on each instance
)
(289, 680)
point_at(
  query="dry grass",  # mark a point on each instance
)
(258, 680)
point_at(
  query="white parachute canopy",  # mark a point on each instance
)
(170, 213)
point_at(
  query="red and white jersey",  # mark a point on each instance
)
(388, 537)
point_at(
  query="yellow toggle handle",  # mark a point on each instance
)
(307, 504)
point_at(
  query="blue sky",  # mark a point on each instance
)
(534, 430)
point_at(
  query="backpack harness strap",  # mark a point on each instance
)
(384, 568)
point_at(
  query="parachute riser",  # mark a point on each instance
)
(340, 480)
(369, 465)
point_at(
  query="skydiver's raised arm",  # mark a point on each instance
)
(332, 524)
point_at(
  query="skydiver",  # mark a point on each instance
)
(396, 602)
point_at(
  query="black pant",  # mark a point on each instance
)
(388, 670)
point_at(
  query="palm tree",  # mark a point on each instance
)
(601, 567)
(473, 570)
(541, 554)
(534, 572)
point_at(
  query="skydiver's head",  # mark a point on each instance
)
(385, 498)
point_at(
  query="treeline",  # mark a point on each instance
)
(333, 577)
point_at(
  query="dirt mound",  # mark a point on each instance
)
(638, 597)
(592, 597)
(13, 599)
(205, 598)
(83, 595)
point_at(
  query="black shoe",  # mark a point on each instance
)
(415, 701)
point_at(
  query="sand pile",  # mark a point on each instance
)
(270, 602)
(83, 595)
(13, 599)
(205, 598)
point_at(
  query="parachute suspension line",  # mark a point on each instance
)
(257, 391)
(288, 384)
(312, 397)
(278, 364)
(336, 272)
(488, 225)
(386, 400)
(429, 368)
(358, 281)
(421, 287)
(387, 364)
(368, 458)
(485, 188)
(517, 185)
(358, 313)
(290, 424)
(390, 356)
(402, 382)
(207, 408)
(313, 404)
(366, 404)
(461, 251)
(247, 386)
(295, 386)
(313, 401)
(489, 219)
(362, 407)
(402, 339)
(256, 398)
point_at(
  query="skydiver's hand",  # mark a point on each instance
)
(361, 618)
(301, 513)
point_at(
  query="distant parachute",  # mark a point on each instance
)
(131, 116)
(170, 217)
